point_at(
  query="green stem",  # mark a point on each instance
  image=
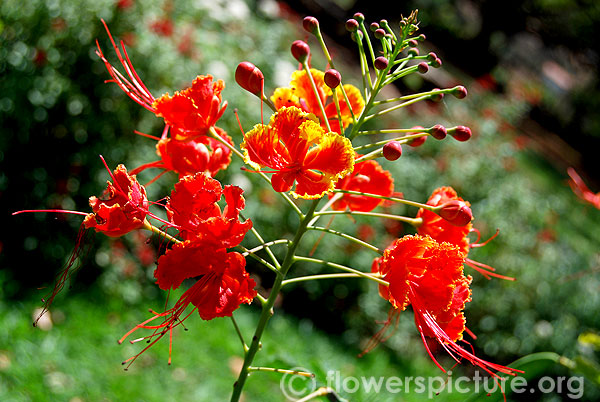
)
(403, 140)
(283, 371)
(351, 273)
(259, 259)
(159, 232)
(382, 197)
(260, 239)
(391, 109)
(267, 308)
(347, 237)
(237, 329)
(413, 221)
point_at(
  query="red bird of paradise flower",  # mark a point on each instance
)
(297, 150)
(442, 230)
(429, 276)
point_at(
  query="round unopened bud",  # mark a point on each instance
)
(437, 63)
(392, 150)
(300, 50)
(456, 213)
(421, 37)
(431, 56)
(413, 51)
(459, 91)
(332, 78)
(460, 133)
(379, 33)
(381, 63)
(437, 97)
(357, 36)
(383, 23)
(438, 132)
(423, 67)
(359, 17)
(249, 77)
(374, 26)
(417, 142)
(413, 43)
(351, 25)
(310, 24)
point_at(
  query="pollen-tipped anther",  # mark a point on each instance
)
(456, 213)
(300, 50)
(249, 77)
(310, 24)
(392, 150)
(332, 78)
(381, 63)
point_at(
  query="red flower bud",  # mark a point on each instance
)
(310, 24)
(374, 26)
(413, 43)
(437, 97)
(381, 63)
(359, 17)
(417, 142)
(421, 37)
(249, 77)
(460, 133)
(379, 33)
(413, 52)
(423, 67)
(460, 92)
(431, 56)
(351, 25)
(456, 213)
(438, 132)
(300, 50)
(332, 78)
(436, 63)
(392, 150)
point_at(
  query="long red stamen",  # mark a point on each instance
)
(73, 264)
(477, 244)
(486, 270)
(147, 135)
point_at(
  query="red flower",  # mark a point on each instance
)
(301, 95)
(581, 190)
(202, 154)
(193, 208)
(367, 177)
(190, 112)
(223, 285)
(123, 209)
(224, 282)
(429, 276)
(439, 228)
(298, 151)
(442, 230)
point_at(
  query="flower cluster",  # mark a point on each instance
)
(309, 149)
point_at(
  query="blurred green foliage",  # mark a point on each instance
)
(57, 115)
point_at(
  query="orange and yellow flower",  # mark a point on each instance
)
(301, 95)
(297, 150)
